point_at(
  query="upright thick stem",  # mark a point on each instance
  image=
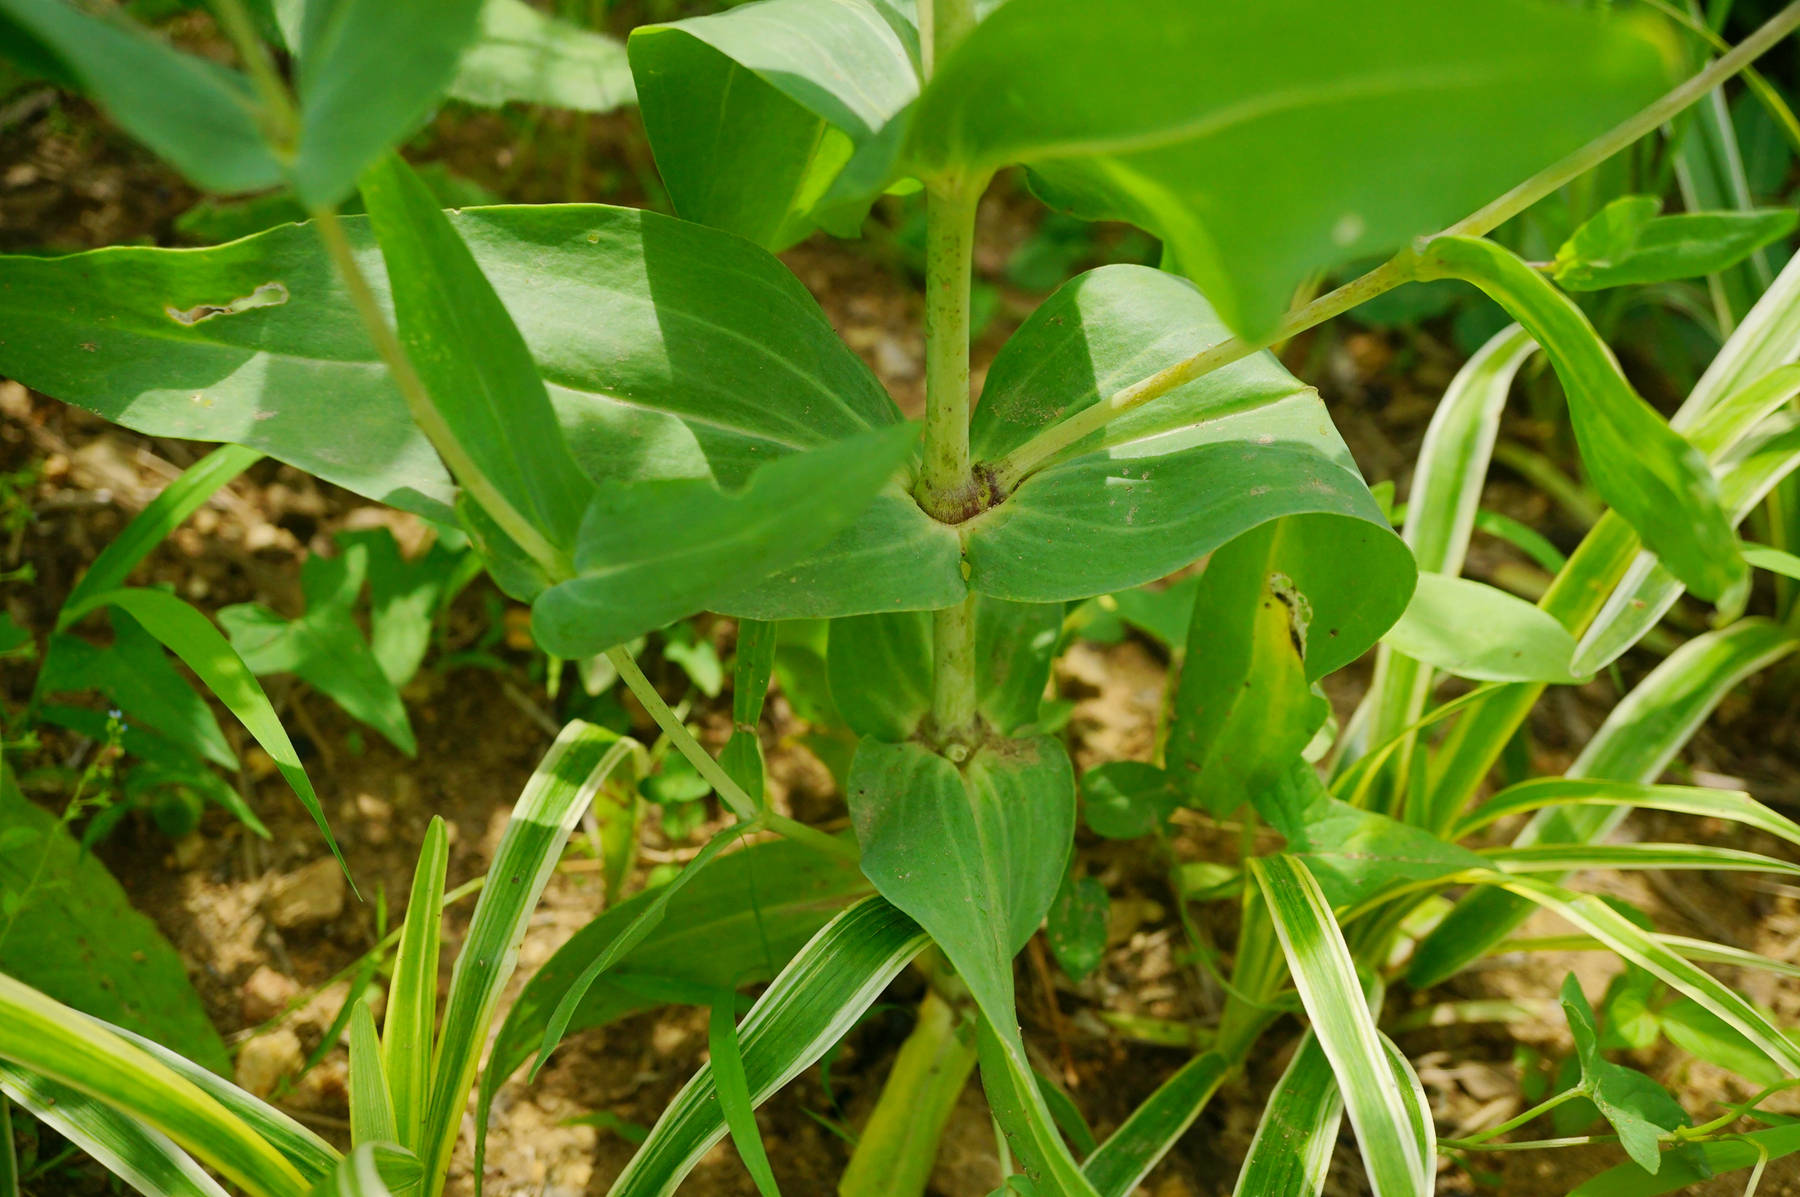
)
(946, 487)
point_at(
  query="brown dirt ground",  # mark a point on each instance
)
(70, 182)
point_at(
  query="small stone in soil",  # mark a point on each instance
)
(264, 1060)
(310, 895)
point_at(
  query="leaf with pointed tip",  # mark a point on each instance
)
(1689, 245)
(1694, 1164)
(1553, 792)
(1471, 630)
(371, 1098)
(1297, 1131)
(725, 1057)
(1117, 1166)
(1639, 1109)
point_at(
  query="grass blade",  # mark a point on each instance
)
(371, 1102)
(808, 1007)
(48, 1038)
(1569, 858)
(1632, 942)
(151, 526)
(204, 649)
(145, 1159)
(1734, 806)
(559, 790)
(733, 1087)
(1325, 975)
(411, 1022)
(9, 1156)
(357, 1175)
(1292, 1149)
(1118, 1165)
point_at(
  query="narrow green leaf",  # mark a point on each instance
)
(1643, 469)
(1672, 247)
(1636, 1106)
(483, 383)
(725, 1055)
(1702, 1034)
(151, 526)
(1637, 741)
(554, 798)
(1694, 1164)
(1226, 163)
(371, 1099)
(199, 116)
(9, 1156)
(808, 1007)
(1472, 630)
(1325, 975)
(55, 1042)
(1568, 858)
(1550, 792)
(1023, 1116)
(1762, 343)
(408, 1030)
(357, 1175)
(190, 636)
(1118, 1165)
(145, 1159)
(1630, 941)
(1298, 1130)
(1244, 709)
(523, 56)
(1709, 169)
(357, 98)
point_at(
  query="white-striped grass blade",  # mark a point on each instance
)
(558, 792)
(1325, 976)
(1118, 1165)
(1561, 859)
(357, 1175)
(1682, 945)
(1418, 1110)
(409, 1031)
(48, 1038)
(1734, 806)
(1763, 341)
(806, 1009)
(371, 1103)
(1633, 943)
(146, 1159)
(313, 1156)
(732, 1086)
(1291, 1152)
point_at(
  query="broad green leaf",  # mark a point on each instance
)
(1000, 827)
(302, 1148)
(1243, 708)
(358, 98)
(553, 800)
(754, 112)
(405, 596)
(1699, 1032)
(143, 1158)
(410, 1025)
(161, 516)
(69, 929)
(484, 386)
(57, 1043)
(649, 553)
(1648, 589)
(1703, 801)
(1075, 925)
(1163, 486)
(1014, 642)
(1638, 1108)
(1471, 630)
(323, 647)
(190, 636)
(737, 922)
(199, 116)
(1669, 247)
(136, 677)
(815, 999)
(1266, 143)
(1604, 239)
(523, 56)
(1637, 741)
(371, 1099)
(1642, 468)
(1025, 1119)
(214, 220)
(1694, 1164)
(1121, 800)
(1298, 1130)
(732, 1089)
(1325, 975)
(1637, 946)
(1117, 1166)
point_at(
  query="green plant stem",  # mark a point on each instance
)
(732, 794)
(1013, 468)
(553, 561)
(897, 1148)
(946, 487)
(953, 704)
(280, 116)
(1518, 1120)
